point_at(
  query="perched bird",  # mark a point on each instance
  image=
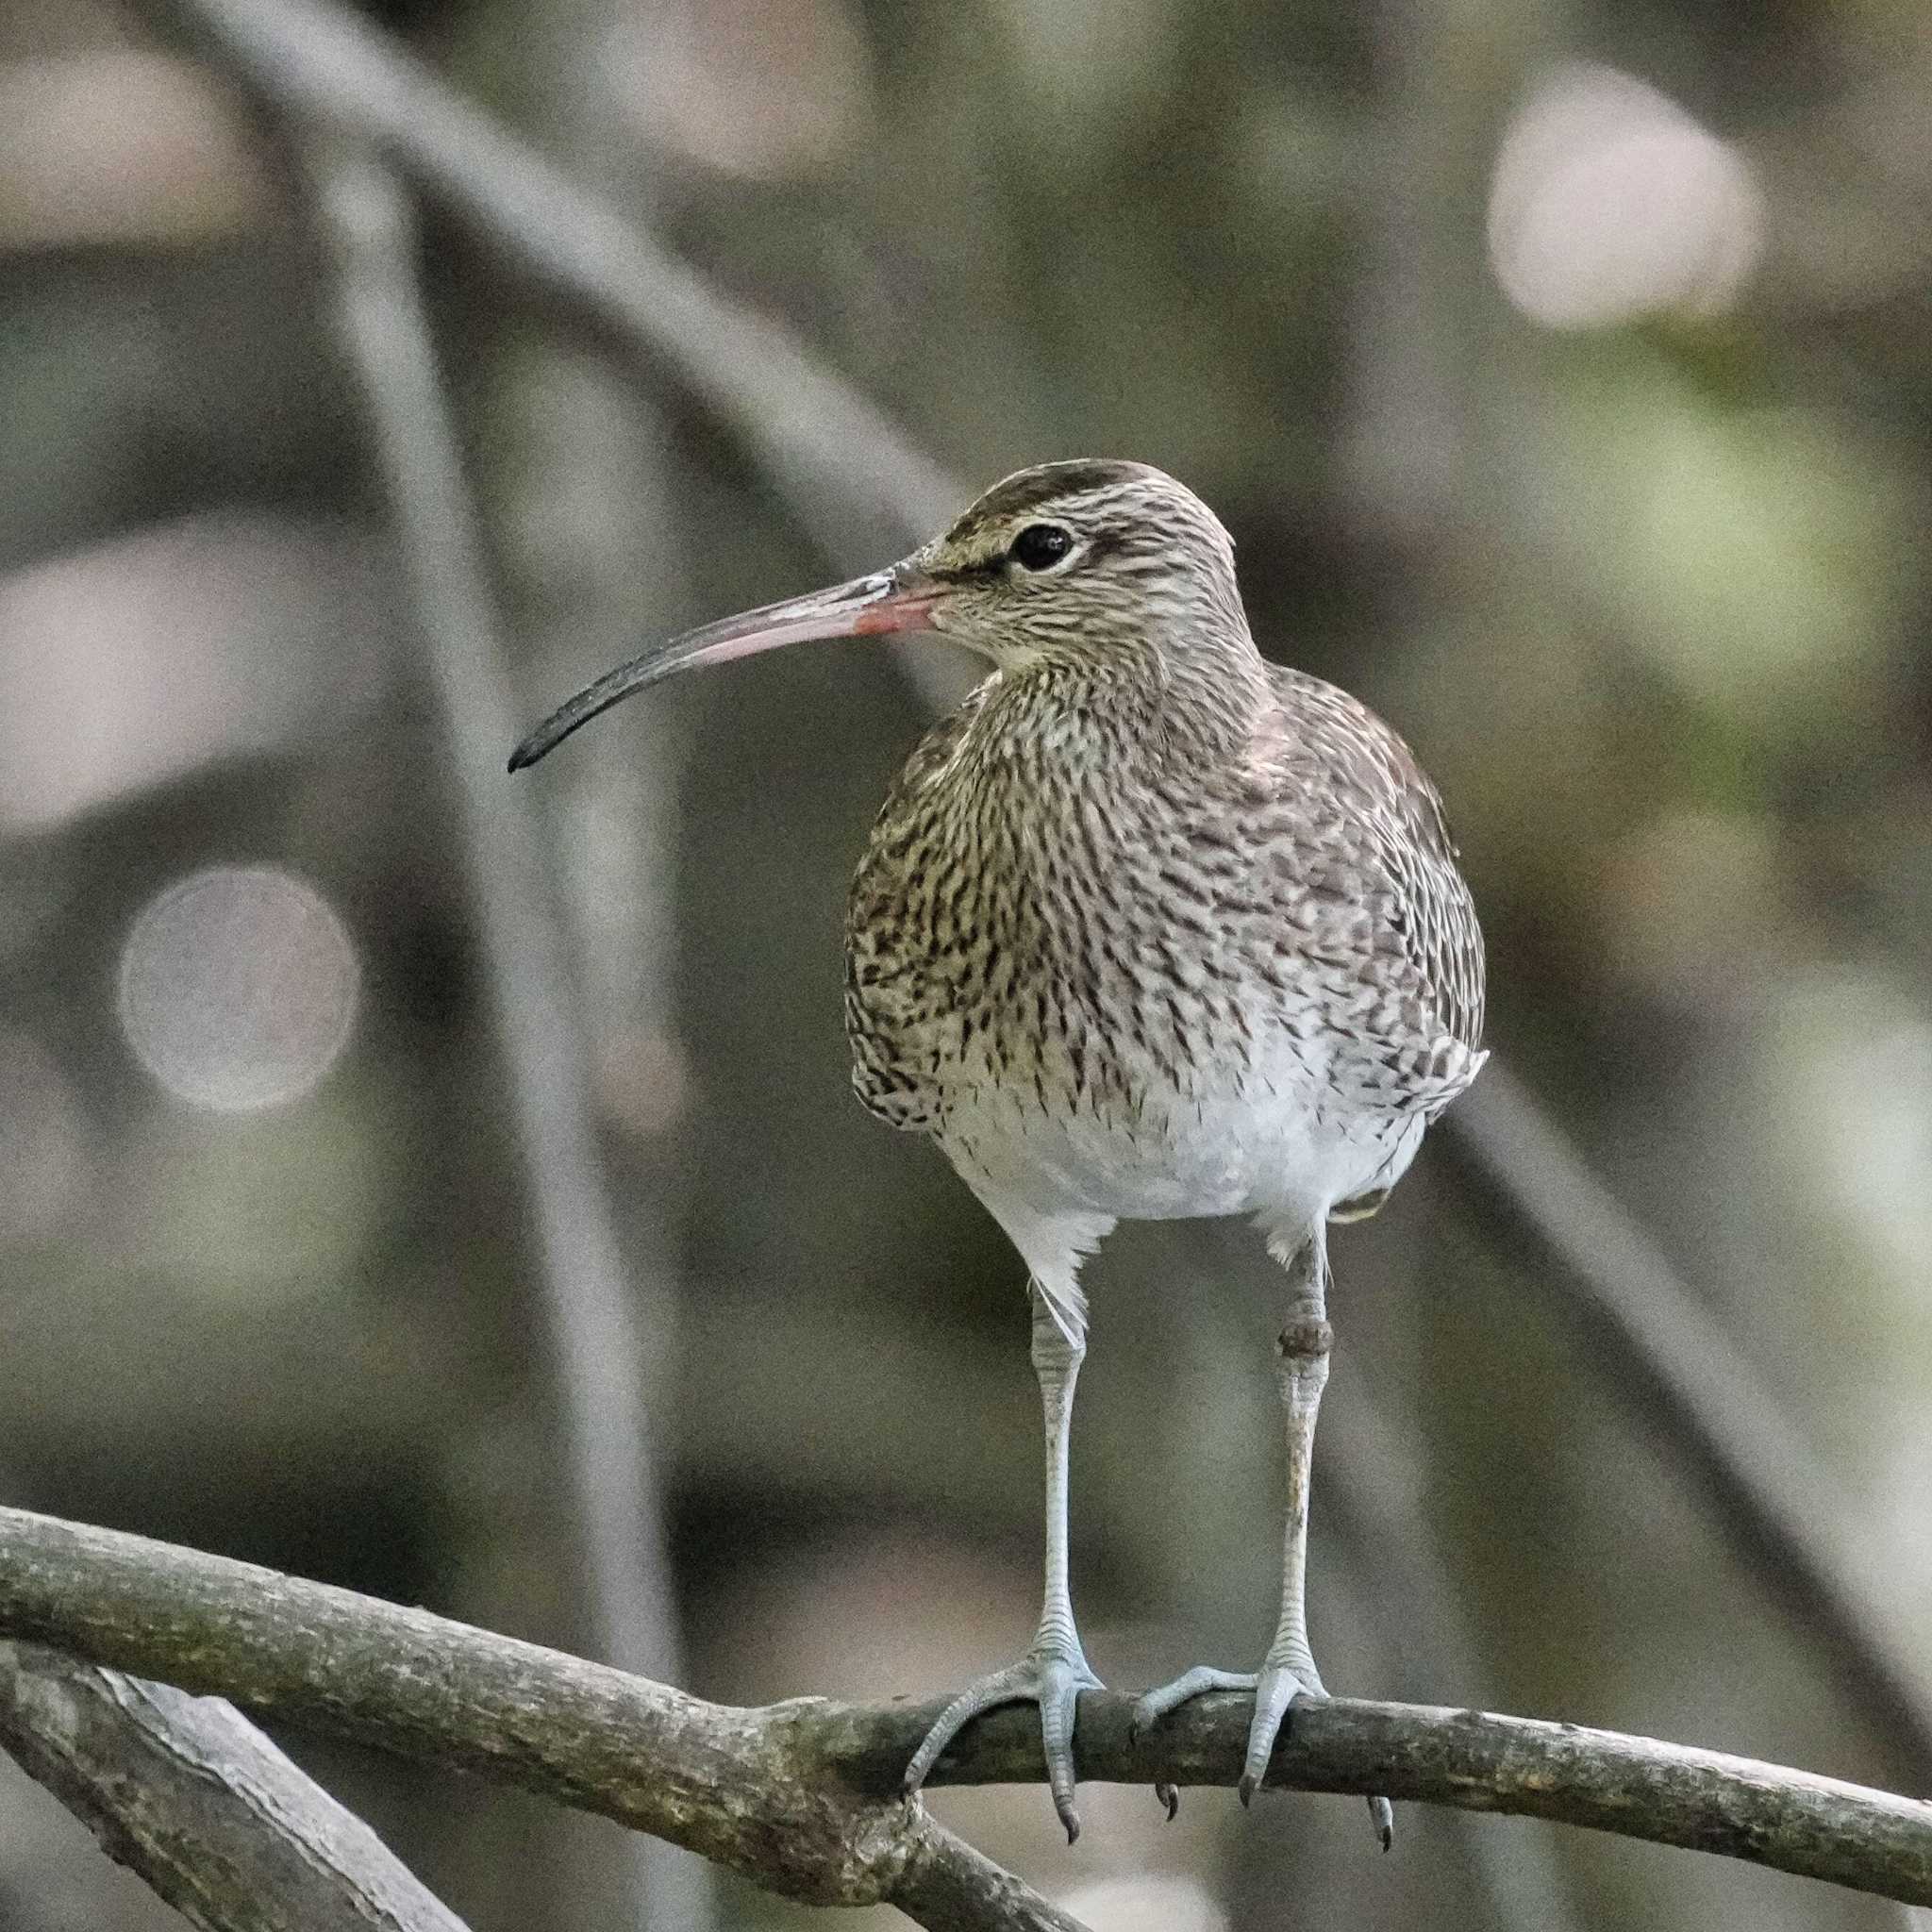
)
(1149, 928)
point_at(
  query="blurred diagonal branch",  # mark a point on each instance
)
(600, 1345)
(1686, 1372)
(849, 475)
(187, 1793)
(802, 1797)
(861, 489)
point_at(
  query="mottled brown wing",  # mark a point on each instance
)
(1349, 780)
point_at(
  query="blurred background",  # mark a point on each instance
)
(1565, 377)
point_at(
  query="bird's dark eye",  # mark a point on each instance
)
(1039, 546)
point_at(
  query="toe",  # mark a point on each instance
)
(1276, 1691)
(935, 1741)
(1054, 1681)
(1063, 1804)
(1157, 1702)
(1058, 1703)
(1003, 1687)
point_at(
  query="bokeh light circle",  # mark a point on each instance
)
(1609, 203)
(237, 988)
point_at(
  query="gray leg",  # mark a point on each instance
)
(1054, 1670)
(1287, 1671)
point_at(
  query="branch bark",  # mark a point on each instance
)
(751, 1789)
(189, 1795)
(802, 1797)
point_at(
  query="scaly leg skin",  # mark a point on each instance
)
(1054, 1670)
(1287, 1671)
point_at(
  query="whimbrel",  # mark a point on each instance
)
(1149, 928)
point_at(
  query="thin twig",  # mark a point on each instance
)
(600, 1348)
(189, 1796)
(802, 1796)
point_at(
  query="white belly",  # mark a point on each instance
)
(1264, 1144)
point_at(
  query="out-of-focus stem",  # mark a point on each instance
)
(600, 1350)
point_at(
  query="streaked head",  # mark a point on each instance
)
(1073, 560)
(1088, 561)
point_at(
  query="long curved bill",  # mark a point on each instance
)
(886, 602)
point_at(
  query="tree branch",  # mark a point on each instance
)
(187, 1793)
(751, 1789)
(802, 1796)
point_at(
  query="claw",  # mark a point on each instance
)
(1276, 1688)
(1382, 1813)
(1146, 1713)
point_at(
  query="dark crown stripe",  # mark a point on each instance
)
(1036, 488)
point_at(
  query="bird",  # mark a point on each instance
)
(1150, 927)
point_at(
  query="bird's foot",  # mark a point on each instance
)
(1275, 1687)
(1202, 1679)
(1050, 1675)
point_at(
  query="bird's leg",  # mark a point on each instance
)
(1287, 1671)
(1055, 1669)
